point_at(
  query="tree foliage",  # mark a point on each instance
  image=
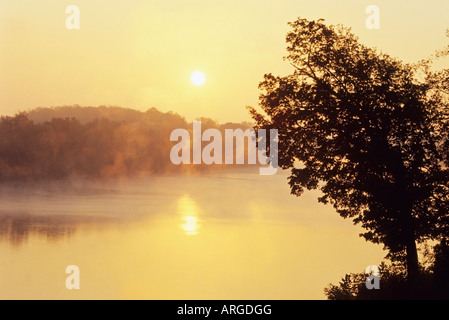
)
(366, 129)
(54, 144)
(432, 282)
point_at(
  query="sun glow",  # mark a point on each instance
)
(198, 78)
(189, 211)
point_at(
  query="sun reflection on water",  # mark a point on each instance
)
(188, 210)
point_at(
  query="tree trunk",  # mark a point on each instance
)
(411, 251)
(412, 264)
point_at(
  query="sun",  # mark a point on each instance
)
(198, 78)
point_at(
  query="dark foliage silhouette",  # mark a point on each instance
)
(432, 281)
(366, 129)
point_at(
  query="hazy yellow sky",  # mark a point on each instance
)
(140, 54)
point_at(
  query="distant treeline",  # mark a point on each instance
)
(88, 142)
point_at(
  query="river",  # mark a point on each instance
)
(225, 235)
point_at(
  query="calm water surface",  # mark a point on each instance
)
(217, 236)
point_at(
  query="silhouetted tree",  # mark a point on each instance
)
(367, 130)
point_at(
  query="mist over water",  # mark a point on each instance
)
(233, 235)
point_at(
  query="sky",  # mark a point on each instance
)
(140, 54)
